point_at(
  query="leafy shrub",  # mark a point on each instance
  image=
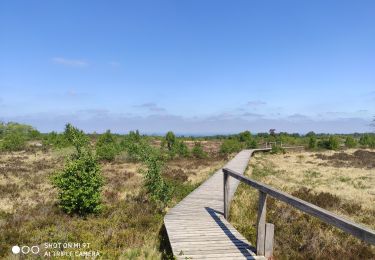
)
(13, 142)
(230, 146)
(106, 147)
(181, 149)
(79, 185)
(135, 146)
(76, 137)
(198, 152)
(312, 142)
(156, 187)
(244, 136)
(350, 142)
(56, 140)
(367, 140)
(170, 139)
(80, 182)
(251, 144)
(277, 149)
(333, 143)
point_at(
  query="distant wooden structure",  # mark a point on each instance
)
(197, 227)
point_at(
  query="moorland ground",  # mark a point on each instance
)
(340, 181)
(130, 225)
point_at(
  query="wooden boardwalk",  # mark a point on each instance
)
(196, 226)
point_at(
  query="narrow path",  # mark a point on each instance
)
(196, 226)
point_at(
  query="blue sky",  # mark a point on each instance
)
(189, 66)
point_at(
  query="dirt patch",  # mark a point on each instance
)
(359, 159)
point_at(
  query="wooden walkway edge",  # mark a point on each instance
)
(196, 226)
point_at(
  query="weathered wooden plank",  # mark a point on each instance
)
(268, 241)
(261, 222)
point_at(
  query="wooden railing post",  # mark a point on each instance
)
(226, 193)
(268, 241)
(261, 223)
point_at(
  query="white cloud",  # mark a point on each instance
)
(70, 62)
(99, 120)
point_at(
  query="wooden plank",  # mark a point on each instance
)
(261, 222)
(268, 241)
(357, 230)
(226, 193)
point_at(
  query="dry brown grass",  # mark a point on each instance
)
(130, 226)
(347, 191)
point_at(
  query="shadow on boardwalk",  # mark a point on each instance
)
(242, 246)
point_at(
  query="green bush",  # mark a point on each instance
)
(277, 149)
(244, 136)
(350, 142)
(13, 142)
(80, 182)
(312, 142)
(156, 187)
(333, 142)
(79, 185)
(170, 138)
(76, 137)
(56, 140)
(251, 144)
(367, 140)
(230, 146)
(181, 149)
(136, 147)
(106, 147)
(198, 152)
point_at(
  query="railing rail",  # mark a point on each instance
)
(265, 230)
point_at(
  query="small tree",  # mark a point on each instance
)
(333, 143)
(170, 139)
(244, 136)
(181, 149)
(312, 142)
(79, 183)
(106, 147)
(230, 146)
(350, 142)
(76, 137)
(155, 185)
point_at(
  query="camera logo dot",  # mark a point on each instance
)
(16, 250)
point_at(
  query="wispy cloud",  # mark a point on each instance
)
(255, 103)
(70, 62)
(253, 115)
(150, 106)
(298, 117)
(100, 120)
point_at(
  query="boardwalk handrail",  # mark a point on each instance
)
(363, 233)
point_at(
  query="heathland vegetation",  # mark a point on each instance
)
(113, 190)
